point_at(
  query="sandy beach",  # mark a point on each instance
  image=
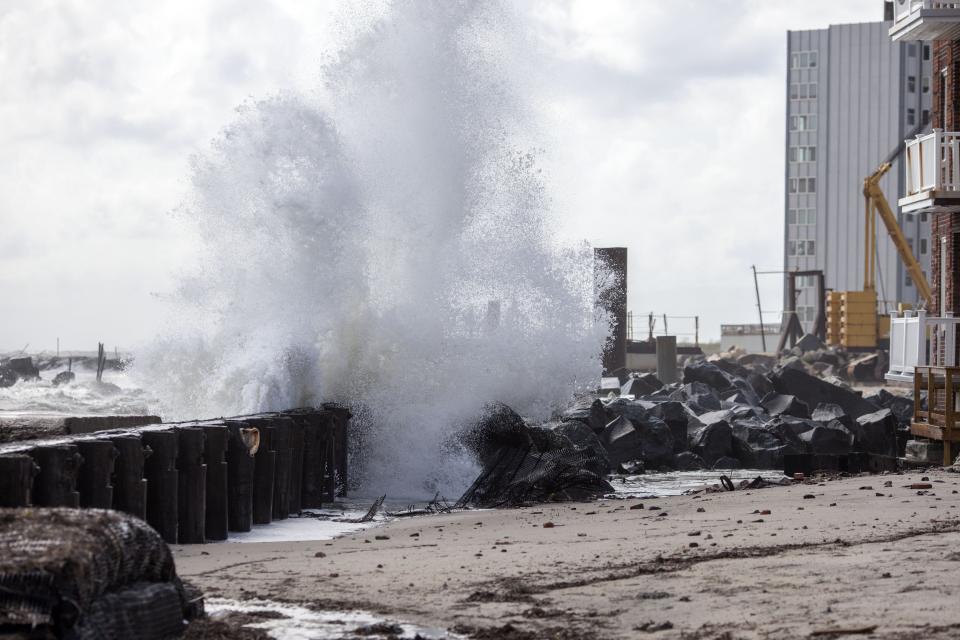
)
(869, 556)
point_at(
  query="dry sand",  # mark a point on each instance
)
(862, 553)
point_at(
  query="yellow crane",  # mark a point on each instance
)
(852, 320)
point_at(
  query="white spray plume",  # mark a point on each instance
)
(351, 251)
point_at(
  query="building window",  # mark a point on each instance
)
(811, 247)
(911, 117)
(802, 248)
(925, 84)
(803, 154)
(908, 280)
(791, 248)
(925, 116)
(926, 52)
(803, 90)
(806, 217)
(803, 60)
(803, 185)
(923, 246)
(923, 216)
(912, 84)
(803, 123)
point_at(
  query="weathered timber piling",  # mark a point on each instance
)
(192, 486)
(281, 480)
(191, 481)
(242, 446)
(264, 471)
(56, 483)
(16, 480)
(96, 473)
(214, 456)
(129, 486)
(162, 483)
(296, 464)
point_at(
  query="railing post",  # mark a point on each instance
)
(948, 401)
(949, 341)
(931, 395)
(917, 376)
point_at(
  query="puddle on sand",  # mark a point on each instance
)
(290, 622)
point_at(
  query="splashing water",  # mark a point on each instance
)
(352, 245)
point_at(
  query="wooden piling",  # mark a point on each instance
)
(129, 485)
(264, 471)
(284, 458)
(96, 473)
(192, 486)
(56, 483)
(242, 445)
(341, 416)
(17, 472)
(214, 456)
(296, 464)
(318, 426)
(162, 483)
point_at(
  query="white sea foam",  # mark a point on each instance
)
(352, 241)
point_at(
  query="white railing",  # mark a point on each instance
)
(919, 341)
(906, 8)
(933, 162)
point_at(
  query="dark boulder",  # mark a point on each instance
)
(8, 377)
(876, 433)
(707, 373)
(731, 367)
(779, 404)
(757, 361)
(900, 407)
(650, 380)
(757, 447)
(649, 440)
(632, 409)
(712, 442)
(814, 391)
(589, 412)
(64, 377)
(499, 426)
(637, 388)
(698, 396)
(829, 439)
(24, 368)
(676, 417)
(809, 342)
(687, 461)
(760, 383)
(826, 413)
(867, 368)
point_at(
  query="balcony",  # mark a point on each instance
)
(918, 341)
(925, 20)
(932, 164)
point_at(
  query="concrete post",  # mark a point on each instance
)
(612, 297)
(667, 359)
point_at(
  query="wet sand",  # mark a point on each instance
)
(857, 555)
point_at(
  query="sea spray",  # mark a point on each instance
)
(352, 243)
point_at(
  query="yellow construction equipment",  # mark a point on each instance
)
(852, 320)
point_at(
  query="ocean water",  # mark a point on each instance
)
(384, 241)
(85, 396)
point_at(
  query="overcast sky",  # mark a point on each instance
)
(666, 135)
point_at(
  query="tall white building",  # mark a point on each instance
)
(853, 97)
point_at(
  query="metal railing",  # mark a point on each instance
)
(933, 162)
(917, 340)
(906, 8)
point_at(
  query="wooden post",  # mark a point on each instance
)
(342, 436)
(296, 464)
(129, 486)
(192, 486)
(264, 471)
(316, 427)
(916, 394)
(284, 457)
(55, 484)
(241, 448)
(214, 455)
(162, 483)
(96, 472)
(16, 480)
(949, 400)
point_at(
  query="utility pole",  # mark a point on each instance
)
(696, 331)
(763, 333)
(650, 324)
(665, 331)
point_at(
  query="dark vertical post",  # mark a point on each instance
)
(611, 282)
(16, 480)
(162, 483)
(192, 486)
(296, 463)
(55, 484)
(341, 437)
(242, 446)
(264, 472)
(129, 486)
(96, 472)
(214, 456)
(756, 288)
(284, 457)
(316, 428)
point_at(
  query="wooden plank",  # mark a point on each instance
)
(16, 480)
